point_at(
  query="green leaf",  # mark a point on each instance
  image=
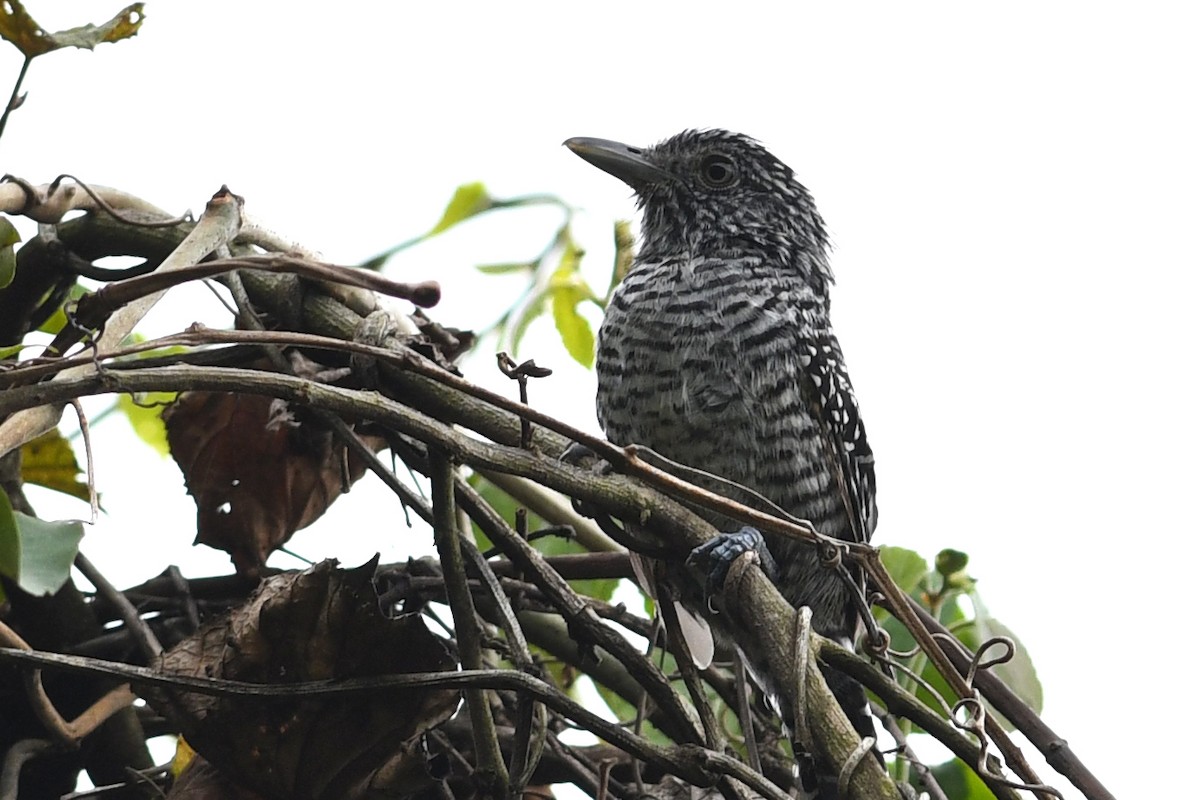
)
(906, 567)
(18, 27)
(529, 312)
(949, 562)
(49, 461)
(1019, 673)
(573, 327)
(144, 413)
(469, 200)
(58, 320)
(10, 541)
(505, 269)
(48, 550)
(626, 713)
(44, 551)
(505, 506)
(8, 256)
(959, 781)
(599, 588)
(567, 290)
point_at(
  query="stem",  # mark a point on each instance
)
(12, 100)
(490, 764)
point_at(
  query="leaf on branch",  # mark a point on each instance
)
(959, 781)
(529, 312)
(469, 200)
(323, 624)
(58, 320)
(573, 327)
(506, 269)
(952, 565)
(10, 541)
(144, 413)
(18, 27)
(1018, 673)
(906, 567)
(35, 553)
(506, 507)
(941, 590)
(258, 474)
(50, 461)
(567, 291)
(8, 256)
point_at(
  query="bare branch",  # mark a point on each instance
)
(218, 225)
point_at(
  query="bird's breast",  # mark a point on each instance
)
(698, 362)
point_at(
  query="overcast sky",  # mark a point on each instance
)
(1012, 195)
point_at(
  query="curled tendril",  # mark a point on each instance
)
(102, 204)
(851, 763)
(979, 663)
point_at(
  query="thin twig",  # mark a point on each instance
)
(679, 760)
(85, 432)
(17, 756)
(147, 641)
(687, 667)
(217, 226)
(580, 617)
(103, 204)
(745, 716)
(14, 99)
(66, 733)
(489, 760)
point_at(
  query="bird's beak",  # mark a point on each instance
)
(619, 160)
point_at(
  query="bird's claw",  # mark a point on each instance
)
(714, 558)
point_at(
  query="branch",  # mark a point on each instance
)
(218, 225)
(445, 535)
(66, 733)
(690, 762)
(1053, 747)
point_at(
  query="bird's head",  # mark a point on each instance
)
(715, 192)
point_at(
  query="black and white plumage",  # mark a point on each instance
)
(716, 350)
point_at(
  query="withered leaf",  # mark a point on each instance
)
(257, 473)
(321, 624)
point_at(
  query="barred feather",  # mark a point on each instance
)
(716, 351)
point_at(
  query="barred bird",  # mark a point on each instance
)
(716, 352)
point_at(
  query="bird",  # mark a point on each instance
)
(716, 352)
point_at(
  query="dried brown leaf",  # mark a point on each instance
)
(321, 624)
(257, 473)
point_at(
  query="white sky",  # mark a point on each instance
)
(1012, 195)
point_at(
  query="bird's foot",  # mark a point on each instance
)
(714, 558)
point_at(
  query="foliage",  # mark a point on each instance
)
(34, 553)
(49, 461)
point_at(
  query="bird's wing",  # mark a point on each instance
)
(834, 404)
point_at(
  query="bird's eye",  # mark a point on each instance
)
(717, 171)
